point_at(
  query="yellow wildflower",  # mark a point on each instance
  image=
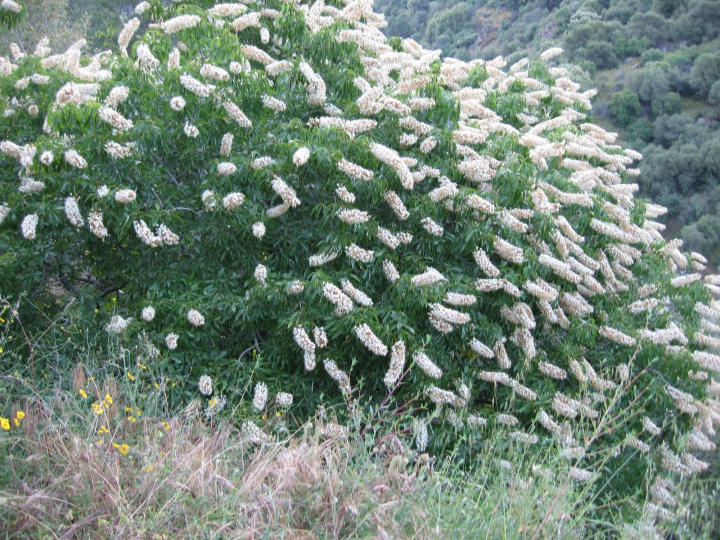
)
(130, 376)
(16, 422)
(20, 415)
(141, 365)
(166, 426)
(132, 419)
(124, 449)
(138, 412)
(83, 393)
(97, 408)
(4, 423)
(108, 399)
(148, 468)
(102, 430)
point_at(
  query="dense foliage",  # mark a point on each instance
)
(651, 61)
(367, 221)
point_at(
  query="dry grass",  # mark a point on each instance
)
(186, 478)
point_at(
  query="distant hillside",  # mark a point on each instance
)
(656, 66)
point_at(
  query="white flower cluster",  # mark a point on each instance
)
(191, 84)
(428, 277)
(260, 396)
(11, 5)
(322, 258)
(368, 338)
(182, 22)
(613, 334)
(28, 226)
(253, 433)
(227, 9)
(72, 211)
(190, 130)
(296, 287)
(205, 384)
(457, 299)
(115, 119)
(355, 171)
(255, 53)
(338, 375)
(173, 61)
(428, 366)
(74, 159)
(195, 318)
(390, 271)
(258, 229)
(360, 297)
(47, 157)
(305, 343)
(397, 364)
(448, 315)
(116, 96)
(273, 103)
(225, 168)
(552, 371)
(177, 103)
(301, 156)
(171, 340)
(146, 59)
(320, 337)
(393, 160)
(315, 85)
(145, 234)
(353, 216)
(118, 325)
(148, 313)
(483, 261)
(96, 225)
(119, 151)
(226, 144)
(261, 273)
(432, 227)
(481, 349)
(508, 251)
(126, 34)
(210, 71)
(395, 202)
(286, 193)
(284, 399)
(440, 396)
(260, 163)
(359, 254)
(231, 201)
(30, 185)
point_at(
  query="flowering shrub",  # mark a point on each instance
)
(368, 217)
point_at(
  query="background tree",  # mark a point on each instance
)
(624, 107)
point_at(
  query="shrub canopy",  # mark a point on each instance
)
(367, 217)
